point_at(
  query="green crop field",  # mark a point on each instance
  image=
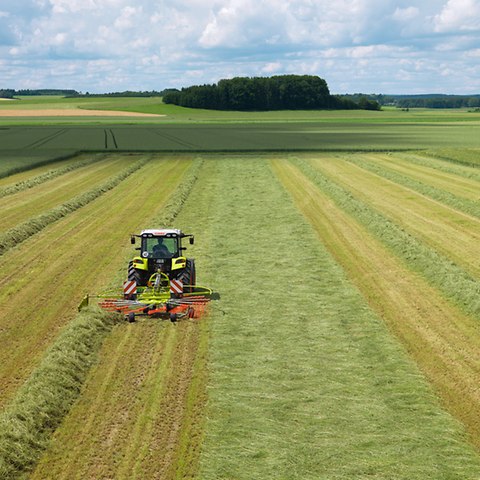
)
(343, 339)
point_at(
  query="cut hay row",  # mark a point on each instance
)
(22, 206)
(306, 383)
(436, 161)
(49, 175)
(14, 165)
(25, 175)
(470, 206)
(131, 413)
(15, 235)
(45, 278)
(453, 281)
(143, 396)
(461, 182)
(444, 342)
(450, 232)
(462, 156)
(27, 423)
(39, 406)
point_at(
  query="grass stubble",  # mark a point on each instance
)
(306, 382)
(304, 379)
(444, 341)
(29, 419)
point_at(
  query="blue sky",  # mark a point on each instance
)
(368, 46)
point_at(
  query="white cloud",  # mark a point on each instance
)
(458, 15)
(354, 44)
(405, 14)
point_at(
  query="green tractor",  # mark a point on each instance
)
(161, 254)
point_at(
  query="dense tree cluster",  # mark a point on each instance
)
(282, 92)
(7, 93)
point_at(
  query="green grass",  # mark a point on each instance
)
(453, 281)
(38, 408)
(305, 381)
(176, 114)
(15, 235)
(465, 205)
(48, 175)
(28, 422)
(248, 137)
(182, 114)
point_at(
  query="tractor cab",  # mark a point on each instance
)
(160, 251)
(161, 243)
(159, 246)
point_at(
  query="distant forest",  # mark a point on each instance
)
(270, 93)
(282, 92)
(11, 93)
(430, 100)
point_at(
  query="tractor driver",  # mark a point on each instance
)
(161, 250)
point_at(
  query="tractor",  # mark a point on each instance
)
(160, 280)
(161, 251)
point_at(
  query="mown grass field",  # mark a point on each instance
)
(344, 344)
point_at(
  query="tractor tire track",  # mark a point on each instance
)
(106, 134)
(46, 139)
(173, 138)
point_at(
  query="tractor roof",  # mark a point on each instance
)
(157, 232)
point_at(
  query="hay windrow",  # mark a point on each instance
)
(44, 399)
(454, 282)
(40, 405)
(465, 205)
(20, 233)
(44, 177)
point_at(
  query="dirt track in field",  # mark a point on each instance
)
(444, 342)
(451, 232)
(42, 286)
(71, 112)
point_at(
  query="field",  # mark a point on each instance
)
(344, 340)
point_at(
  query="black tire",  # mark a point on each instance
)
(173, 317)
(137, 276)
(131, 317)
(189, 276)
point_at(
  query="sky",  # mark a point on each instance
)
(367, 46)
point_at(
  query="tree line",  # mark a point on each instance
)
(428, 100)
(126, 93)
(281, 92)
(11, 93)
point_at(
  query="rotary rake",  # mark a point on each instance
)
(161, 298)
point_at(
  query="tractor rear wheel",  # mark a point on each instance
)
(136, 276)
(189, 276)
